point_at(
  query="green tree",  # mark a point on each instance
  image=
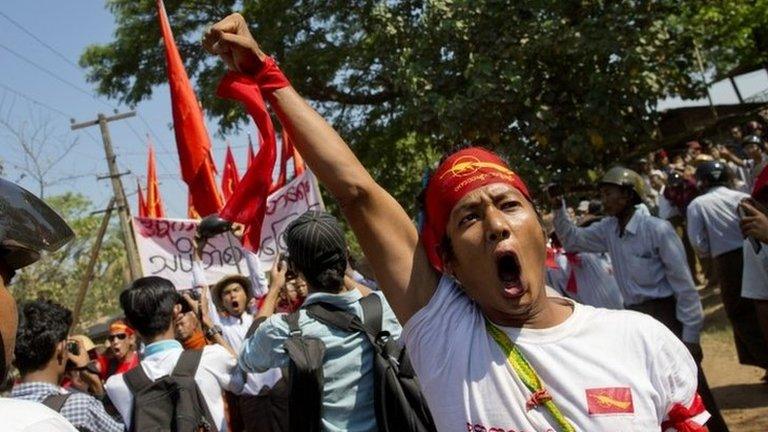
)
(57, 276)
(562, 87)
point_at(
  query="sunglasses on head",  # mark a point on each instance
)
(120, 336)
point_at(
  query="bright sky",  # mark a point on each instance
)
(59, 91)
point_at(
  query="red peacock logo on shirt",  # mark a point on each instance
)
(610, 400)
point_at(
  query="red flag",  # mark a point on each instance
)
(229, 177)
(191, 212)
(142, 203)
(154, 202)
(249, 200)
(285, 153)
(251, 153)
(192, 141)
(298, 163)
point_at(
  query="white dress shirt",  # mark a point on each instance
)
(648, 261)
(713, 222)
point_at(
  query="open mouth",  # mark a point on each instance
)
(508, 271)
(235, 305)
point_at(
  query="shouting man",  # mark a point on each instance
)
(487, 343)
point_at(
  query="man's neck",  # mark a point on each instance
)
(166, 335)
(48, 375)
(625, 216)
(543, 313)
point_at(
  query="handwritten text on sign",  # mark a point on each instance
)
(166, 246)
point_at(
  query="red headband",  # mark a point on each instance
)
(120, 328)
(460, 174)
(761, 182)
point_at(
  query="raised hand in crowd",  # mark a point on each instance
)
(81, 364)
(754, 222)
(233, 42)
(277, 279)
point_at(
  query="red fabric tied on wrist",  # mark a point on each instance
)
(460, 174)
(248, 202)
(681, 417)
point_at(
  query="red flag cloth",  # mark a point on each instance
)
(286, 153)
(573, 260)
(229, 177)
(760, 183)
(142, 203)
(191, 212)
(192, 141)
(298, 163)
(251, 153)
(248, 202)
(681, 417)
(154, 201)
(459, 174)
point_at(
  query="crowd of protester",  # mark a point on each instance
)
(577, 318)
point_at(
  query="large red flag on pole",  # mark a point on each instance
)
(142, 202)
(192, 141)
(229, 177)
(154, 201)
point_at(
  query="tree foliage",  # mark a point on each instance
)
(57, 276)
(562, 87)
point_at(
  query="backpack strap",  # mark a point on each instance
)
(373, 313)
(187, 364)
(333, 316)
(56, 401)
(136, 379)
(293, 322)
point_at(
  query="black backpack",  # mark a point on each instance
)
(172, 403)
(400, 406)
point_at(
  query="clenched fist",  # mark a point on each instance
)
(233, 42)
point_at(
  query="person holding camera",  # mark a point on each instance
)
(44, 355)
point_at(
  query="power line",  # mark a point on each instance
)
(40, 41)
(55, 76)
(35, 101)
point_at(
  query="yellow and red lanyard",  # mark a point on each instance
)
(528, 376)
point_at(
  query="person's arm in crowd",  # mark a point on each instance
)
(200, 282)
(80, 362)
(276, 283)
(207, 324)
(386, 234)
(754, 223)
(573, 238)
(259, 285)
(697, 231)
(729, 156)
(672, 255)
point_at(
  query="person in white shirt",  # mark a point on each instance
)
(713, 228)
(754, 227)
(648, 261)
(491, 350)
(151, 305)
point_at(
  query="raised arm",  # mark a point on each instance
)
(385, 232)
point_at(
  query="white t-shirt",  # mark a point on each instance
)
(623, 367)
(26, 416)
(233, 330)
(214, 374)
(754, 283)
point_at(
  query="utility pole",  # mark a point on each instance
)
(704, 78)
(117, 186)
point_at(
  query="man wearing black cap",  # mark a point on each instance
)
(318, 251)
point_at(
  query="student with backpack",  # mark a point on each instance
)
(172, 389)
(343, 359)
